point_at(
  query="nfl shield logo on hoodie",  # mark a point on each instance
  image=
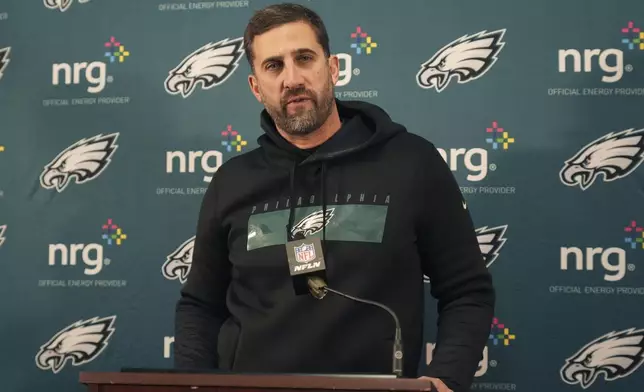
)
(305, 253)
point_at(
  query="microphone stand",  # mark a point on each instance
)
(318, 289)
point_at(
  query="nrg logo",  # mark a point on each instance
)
(92, 74)
(610, 60)
(475, 160)
(208, 161)
(611, 261)
(363, 44)
(90, 255)
(346, 70)
(168, 341)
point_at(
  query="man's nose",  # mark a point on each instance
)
(293, 77)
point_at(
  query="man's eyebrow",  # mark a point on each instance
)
(296, 51)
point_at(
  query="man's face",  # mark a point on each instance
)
(293, 79)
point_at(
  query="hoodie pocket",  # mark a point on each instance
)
(227, 344)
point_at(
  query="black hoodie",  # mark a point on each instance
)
(393, 212)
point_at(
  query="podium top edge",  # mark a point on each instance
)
(257, 381)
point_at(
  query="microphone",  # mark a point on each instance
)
(308, 270)
(305, 259)
(318, 289)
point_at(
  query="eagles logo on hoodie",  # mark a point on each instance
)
(312, 223)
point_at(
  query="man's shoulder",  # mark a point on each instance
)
(232, 167)
(412, 143)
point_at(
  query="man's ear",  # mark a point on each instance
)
(254, 87)
(334, 67)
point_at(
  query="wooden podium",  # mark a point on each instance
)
(180, 382)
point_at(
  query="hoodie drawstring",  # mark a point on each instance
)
(291, 215)
(323, 189)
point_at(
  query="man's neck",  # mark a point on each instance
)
(317, 137)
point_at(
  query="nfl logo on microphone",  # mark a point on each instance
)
(305, 253)
(304, 257)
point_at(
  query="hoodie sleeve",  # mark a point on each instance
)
(459, 279)
(201, 309)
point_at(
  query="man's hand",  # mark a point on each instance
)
(437, 384)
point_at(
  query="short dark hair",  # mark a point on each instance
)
(277, 15)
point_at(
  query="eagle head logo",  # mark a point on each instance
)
(615, 355)
(178, 263)
(466, 58)
(209, 66)
(84, 160)
(3, 228)
(312, 223)
(491, 240)
(614, 155)
(80, 343)
(62, 5)
(4, 59)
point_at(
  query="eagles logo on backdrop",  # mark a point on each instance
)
(3, 228)
(178, 263)
(465, 59)
(78, 343)
(62, 5)
(4, 59)
(83, 161)
(491, 240)
(614, 355)
(614, 155)
(210, 66)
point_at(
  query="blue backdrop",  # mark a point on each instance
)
(108, 141)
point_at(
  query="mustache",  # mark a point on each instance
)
(298, 92)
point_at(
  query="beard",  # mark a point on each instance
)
(304, 120)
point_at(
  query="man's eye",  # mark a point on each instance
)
(270, 66)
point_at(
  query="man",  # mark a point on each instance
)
(383, 204)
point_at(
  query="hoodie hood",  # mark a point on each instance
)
(363, 125)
